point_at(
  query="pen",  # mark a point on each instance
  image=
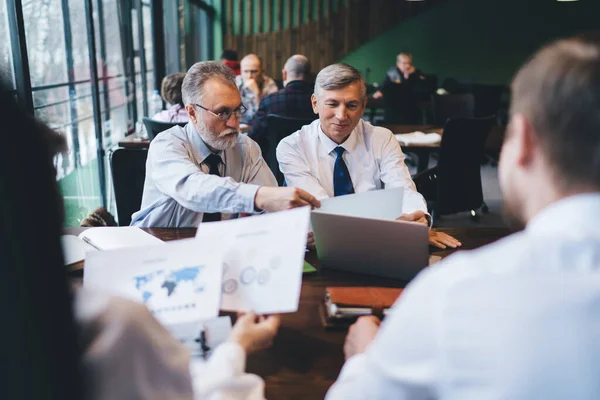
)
(88, 241)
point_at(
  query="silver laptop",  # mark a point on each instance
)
(387, 248)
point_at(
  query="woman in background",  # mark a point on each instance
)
(170, 91)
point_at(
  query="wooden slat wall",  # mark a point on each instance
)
(324, 38)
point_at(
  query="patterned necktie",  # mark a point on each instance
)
(342, 183)
(213, 162)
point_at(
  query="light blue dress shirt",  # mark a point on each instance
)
(178, 188)
(516, 320)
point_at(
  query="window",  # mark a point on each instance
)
(6, 73)
(63, 91)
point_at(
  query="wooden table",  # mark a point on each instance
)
(492, 144)
(305, 358)
(133, 142)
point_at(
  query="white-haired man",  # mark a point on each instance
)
(518, 319)
(206, 171)
(340, 154)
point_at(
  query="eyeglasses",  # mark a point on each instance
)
(225, 115)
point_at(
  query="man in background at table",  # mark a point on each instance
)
(291, 101)
(518, 319)
(206, 171)
(403, 72)
(340, 154)
(253, 85)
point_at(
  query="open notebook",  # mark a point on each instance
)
(104, 238)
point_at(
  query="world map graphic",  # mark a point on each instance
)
(168, 281)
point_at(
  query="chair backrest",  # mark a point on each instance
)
(452, 106)
(128, 168)
(400, 104)
(155, 127)
(279, 127)
(459, 167)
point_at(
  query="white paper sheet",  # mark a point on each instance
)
(179, 282)
(74, 249)
(416, 138)
(116, 237)
(377, 204)
(263, 263)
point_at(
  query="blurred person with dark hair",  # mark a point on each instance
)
(518, 319)
(91, 345)
(230, 58)
(170, 91)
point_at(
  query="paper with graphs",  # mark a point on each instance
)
(262, 267)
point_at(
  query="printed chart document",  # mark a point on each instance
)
(262, 269)
(374, 204)
(179, 282)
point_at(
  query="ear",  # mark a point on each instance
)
(313, 100)
(522, 140)
(191, 112)
(284, 74)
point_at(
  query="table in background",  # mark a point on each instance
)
(493, 143)
(305, 358)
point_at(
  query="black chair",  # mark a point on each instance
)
(452, 106)
(128, 168)
(155, 127)
(454, 184)
(279, 127)
(400, 104)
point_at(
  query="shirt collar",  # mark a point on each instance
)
(349, 145)
(572, 215)
(199, 149)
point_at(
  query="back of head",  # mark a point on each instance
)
(171, 88)
(338, 76)
(40, 354)
(558, 91)
(229, 55)
(199, 74)
(297, 67)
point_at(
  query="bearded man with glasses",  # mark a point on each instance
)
(206, 171)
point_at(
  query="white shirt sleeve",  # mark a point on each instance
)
(176, 174)
(129, 354)
(296, 170)
(402, 362)
(395, 174)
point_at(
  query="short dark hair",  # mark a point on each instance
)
(170, 89)
(558, 91)
(229, 55)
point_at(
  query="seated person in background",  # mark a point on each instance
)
(230, 58)
(398, 90)
(403, 72)
(90, 345)
(206, 169)
(253, 85)
(170, 91)
(341, 154)
(291, 101)
(518, 319)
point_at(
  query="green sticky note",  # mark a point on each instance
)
(308, 268)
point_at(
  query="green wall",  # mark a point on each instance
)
(482, 40)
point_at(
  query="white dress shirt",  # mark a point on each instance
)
(373, 157)
(128, 354)
(518, 319)
(178, 188)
